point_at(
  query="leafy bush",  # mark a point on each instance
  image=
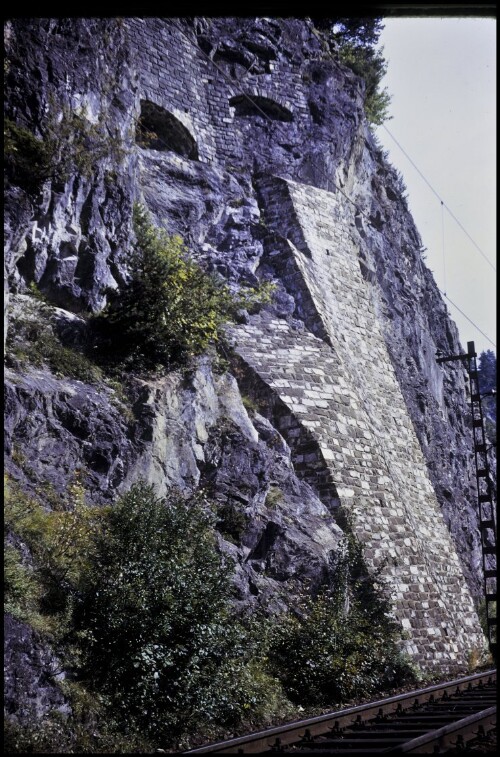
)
(171, 308)
(86, 731)
(340, 644)
(249, 404)
(78, 143)
(139, 600)
(371, 66)
(154, 620)
(54, 546)
(231, 522)
(274, 496)
(31, 340)
(22, 591)
(487, 367)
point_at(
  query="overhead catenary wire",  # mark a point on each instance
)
(442, 246)
(452, 214)
(467, 318)
(339, 189)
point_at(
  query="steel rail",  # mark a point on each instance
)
(291, 733)
(450, 736)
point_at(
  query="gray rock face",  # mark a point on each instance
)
(71, 84)
(30, 668)
(235, 102)
(183, 430)
(60, 426)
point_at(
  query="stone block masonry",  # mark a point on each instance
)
(175, 74)
(344, 391)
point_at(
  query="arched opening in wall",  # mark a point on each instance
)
(157, 129)
(255, 105)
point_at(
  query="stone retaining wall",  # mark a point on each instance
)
(344, 391)
(176, 74)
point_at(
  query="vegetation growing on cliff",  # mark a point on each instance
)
(28, 160)
(68, 142)
(342, 643)
(170, 309)
(32, 339)
(488, 381)
(136, 599)
(355, 40)
(155, 622)
(46, 551)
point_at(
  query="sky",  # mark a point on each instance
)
(441, 77)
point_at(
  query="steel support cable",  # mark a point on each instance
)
(442, 246)
(467, 317)
(439, 198)
(338, 188)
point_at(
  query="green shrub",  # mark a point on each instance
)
(32, 341)
(274, 496)
(340, 644)
(22, 590)
(154, 620)
(84, 732)
(29, 161)
(231, 522)
(371, 66)
(170, 310)
(80, 143)
(139, 599)
(249, 404)
(252, 298)
(70, 143)
(40, 585)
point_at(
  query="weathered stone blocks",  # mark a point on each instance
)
(344, 390)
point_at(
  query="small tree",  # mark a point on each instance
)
(342, 643)
(154, 620)
(487, 370)
(170, 309)
(487, 382)
(355, 40)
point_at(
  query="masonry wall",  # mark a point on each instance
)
(177, 75)
(344, 391)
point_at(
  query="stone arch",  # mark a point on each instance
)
(158, 129)
(256, 105)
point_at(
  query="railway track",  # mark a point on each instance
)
(437, 719)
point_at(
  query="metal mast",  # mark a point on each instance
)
(486, 513)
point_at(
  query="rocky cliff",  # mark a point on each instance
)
(249, 140)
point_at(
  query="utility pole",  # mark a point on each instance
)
(486, 513)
